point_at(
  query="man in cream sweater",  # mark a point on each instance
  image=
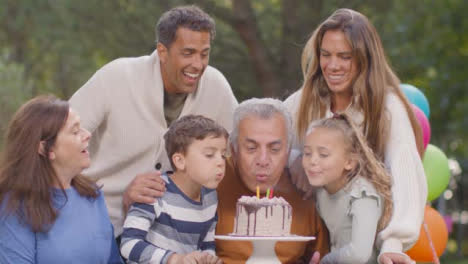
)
(129, 103)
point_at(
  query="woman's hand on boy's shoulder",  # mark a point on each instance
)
(144, 188)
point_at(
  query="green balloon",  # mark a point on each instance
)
(437, 171)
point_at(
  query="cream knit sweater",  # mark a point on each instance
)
(409, 188)
(122, 106)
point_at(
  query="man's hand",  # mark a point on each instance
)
(144, 189)
(299, 178)
(315, 258)
(395, 258)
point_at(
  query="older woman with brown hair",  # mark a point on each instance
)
(345, 71)
(49, 213)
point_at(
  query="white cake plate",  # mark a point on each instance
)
(264, 247)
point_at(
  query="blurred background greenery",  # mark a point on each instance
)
(55, 46)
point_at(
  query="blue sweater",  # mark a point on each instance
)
(82, 233)
(173, 224)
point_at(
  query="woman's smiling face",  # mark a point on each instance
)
(339, 66)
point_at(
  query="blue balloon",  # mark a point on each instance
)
(416, 97)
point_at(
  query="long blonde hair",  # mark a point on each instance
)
(368, 165)
(375, 80)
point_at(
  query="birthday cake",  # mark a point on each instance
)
(262, 217)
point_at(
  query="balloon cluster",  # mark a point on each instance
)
(437, 172)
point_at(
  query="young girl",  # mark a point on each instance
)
(354, 198)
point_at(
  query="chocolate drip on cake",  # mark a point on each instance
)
(238, 210)
(275, 223)
(252, 209)
(283, 216)
(255, 223)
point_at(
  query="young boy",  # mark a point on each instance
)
(179, 227)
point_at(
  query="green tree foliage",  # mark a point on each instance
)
(14, 89)
(55, 46)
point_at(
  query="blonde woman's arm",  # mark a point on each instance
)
(409, 187)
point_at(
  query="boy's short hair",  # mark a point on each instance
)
(183, 131)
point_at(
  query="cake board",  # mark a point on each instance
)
(264, 247)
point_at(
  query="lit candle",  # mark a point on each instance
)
(271, 193)
(268, 193)
(258, 192)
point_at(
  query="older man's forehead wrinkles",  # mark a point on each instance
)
(250, 141)
(270, 143)
(275, 143)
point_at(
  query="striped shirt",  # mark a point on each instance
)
(173, 224)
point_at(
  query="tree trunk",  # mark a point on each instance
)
(290, 49)
(246, 25)
(242, 19)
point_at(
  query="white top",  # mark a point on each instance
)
(122, 105)
(402, 159)
(351, 216)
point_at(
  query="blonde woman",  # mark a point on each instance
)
(345, 71)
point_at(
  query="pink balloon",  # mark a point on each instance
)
(424, 123)
(449, 222)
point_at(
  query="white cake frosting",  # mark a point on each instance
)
(262, 217)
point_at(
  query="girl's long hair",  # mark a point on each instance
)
(368, 165)
(375, 80)
(27, 177)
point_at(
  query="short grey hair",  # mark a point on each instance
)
(191, 17)
(264, 108)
